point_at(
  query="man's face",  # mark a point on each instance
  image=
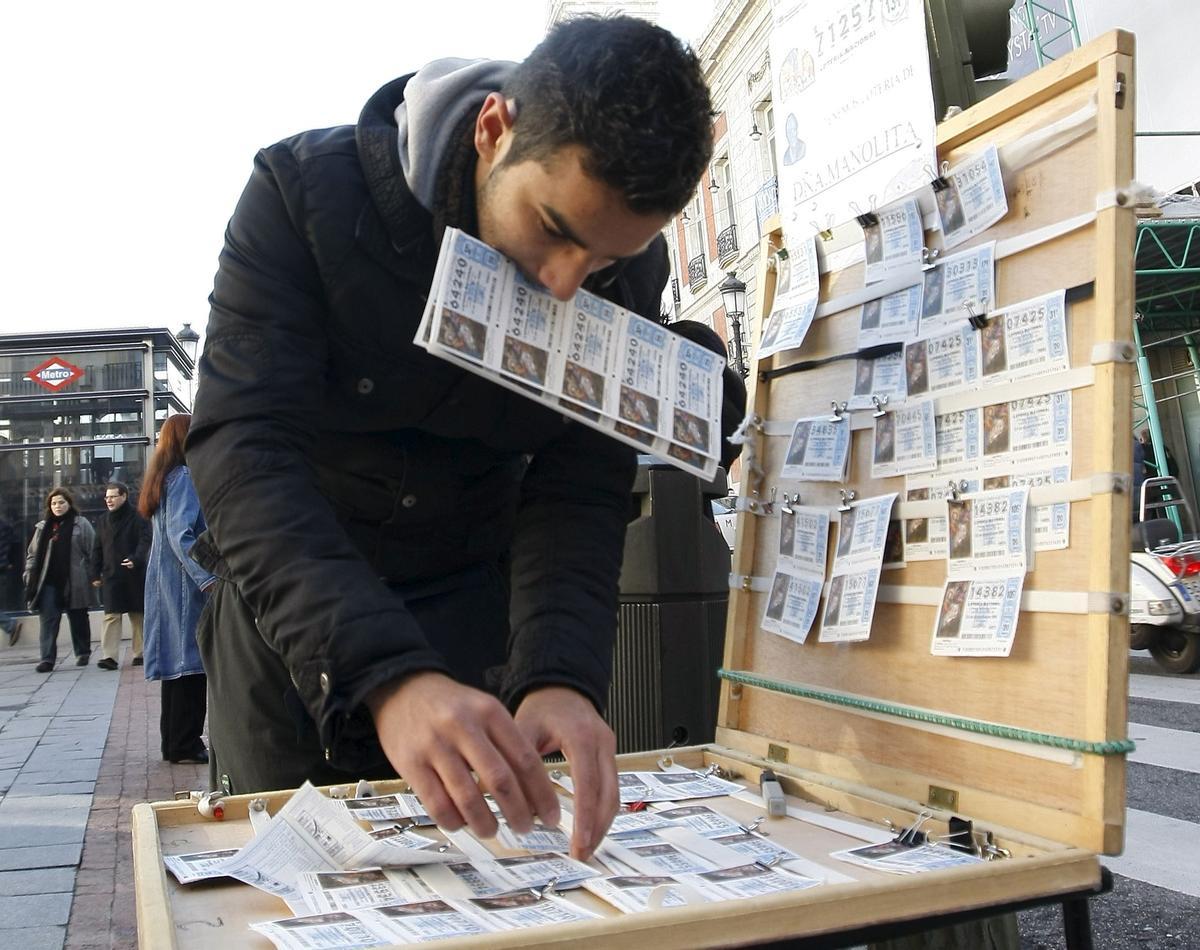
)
(556, 222)
(113, 499)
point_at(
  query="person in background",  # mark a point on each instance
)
(10, 623)
(119, 567)
(176, 590)
(56, 576)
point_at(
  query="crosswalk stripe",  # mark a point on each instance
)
(1160, 851)
(1171, 689)
(1169, 748)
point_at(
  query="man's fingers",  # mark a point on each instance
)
(537, 793)
(499, 774)
(608, 797)
(593, 773)
(433, 795)
(465, 793)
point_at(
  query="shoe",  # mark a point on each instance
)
(82, 659)
(194, 758)
(45, 666)
(137, 661)
(14, 633)
(106, 664)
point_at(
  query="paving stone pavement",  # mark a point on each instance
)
(79, 747)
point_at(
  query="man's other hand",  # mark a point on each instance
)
(556, 718)
(436, 732)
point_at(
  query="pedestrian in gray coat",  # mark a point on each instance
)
(56, 576)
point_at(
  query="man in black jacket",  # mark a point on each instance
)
(119, 568)
(418, 569)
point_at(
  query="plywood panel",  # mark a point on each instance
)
(1067, 672)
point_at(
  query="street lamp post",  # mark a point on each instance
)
(188, 339)
(733, 297)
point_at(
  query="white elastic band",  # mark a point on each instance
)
(1113, 351)
(746, 582)
(1033, 601)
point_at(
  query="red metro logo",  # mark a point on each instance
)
(55, 374)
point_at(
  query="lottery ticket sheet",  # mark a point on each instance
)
(965, 278)
(970, 198)
(857, 563)
(674, 785)
(797, 281)
(897, 858)
(587, 358)
(943, 362)
(818, 449)
(988, 555)
(893, 318)
(893, 241)
(882, 377)
(905, 440)
(1025, 339)
(791, 605)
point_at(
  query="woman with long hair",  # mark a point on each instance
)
(58, 576)
(176, 588)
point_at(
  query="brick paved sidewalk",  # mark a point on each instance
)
(131, 771)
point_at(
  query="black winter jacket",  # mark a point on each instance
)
(122, 534)
(332, 456)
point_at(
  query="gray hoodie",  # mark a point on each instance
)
(435, 101)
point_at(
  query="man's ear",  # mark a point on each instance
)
(493, 127)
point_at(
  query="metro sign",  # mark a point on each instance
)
(55, 374)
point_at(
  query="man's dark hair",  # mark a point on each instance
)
(119, 487)
(631, 94)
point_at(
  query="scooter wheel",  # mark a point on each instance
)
(1176, 651)
(1141, 635)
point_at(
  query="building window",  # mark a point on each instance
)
(764, 115)
(694, 237)
(100, 371)
(724, 207)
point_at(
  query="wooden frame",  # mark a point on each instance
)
(1052, 811)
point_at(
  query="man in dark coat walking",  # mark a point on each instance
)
(119, 567)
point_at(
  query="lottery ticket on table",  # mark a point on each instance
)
(882, 378)
(387, 808)
(818, 449)
(988, 533)
(525, 909)
(942, 363)
(538, 839)
(893, 242)
(966, 278)
(198, 866)
(700, 819)
(893, 318)
(978, 617)
(905, 440)
(747, 880)
(970, 198)
(633, 893)
(1026, 339)
(331, 891)
(897, 858)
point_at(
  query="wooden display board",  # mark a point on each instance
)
(1053, 808)
(1067, 673)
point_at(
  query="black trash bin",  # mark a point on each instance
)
(671, 631)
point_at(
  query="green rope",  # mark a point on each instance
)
(1112, 747)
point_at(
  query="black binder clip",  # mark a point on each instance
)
(868, 220)
(977, 320)
(839, 409)
(879, 402)
(940, 181)
(848, 495)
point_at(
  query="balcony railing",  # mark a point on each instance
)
(697, 270)
(727, 245)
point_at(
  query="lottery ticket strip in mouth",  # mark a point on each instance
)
(927, 639)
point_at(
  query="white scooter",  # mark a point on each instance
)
(1164, 604)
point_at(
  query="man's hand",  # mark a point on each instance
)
(436, 732)
(127, 564)
(557, 718)
(97, 583)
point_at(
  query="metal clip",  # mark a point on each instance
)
(977, 320)
(769, 861)
(957, 488)
(789, 501)
(755, 827)
(550, 887)
(769, 506)
(665, 762)
(839, 408)
(879, 402)
(848, 495)
(929, 257)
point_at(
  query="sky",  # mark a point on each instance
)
(129, 129)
